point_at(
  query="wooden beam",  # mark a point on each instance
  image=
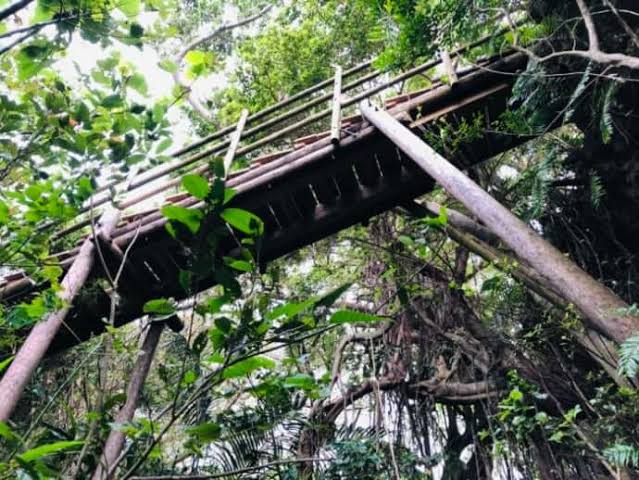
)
(600, 306)
(37, 343)
(336, 118)
(115, 441)
(235, 141)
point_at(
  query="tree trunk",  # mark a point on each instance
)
(115, 441)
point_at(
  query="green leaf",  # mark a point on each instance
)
(352, 316)
(5, 363)
(130, 8)
(8, 434)
(50, 449)
(160, 306)
(245, 367)
(243, 221)
(168, 66)
(196, 57)
(196, 185)
(330, 298)
(289, 310)
(189, 217)
(301, 380)
(239, 265)
(138, 83)
(4, 212)
(205, 432)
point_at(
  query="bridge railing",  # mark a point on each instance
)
(153, 181)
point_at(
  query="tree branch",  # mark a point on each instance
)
(13, 8)
(179, 59)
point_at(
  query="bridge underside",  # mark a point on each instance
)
(308, 194)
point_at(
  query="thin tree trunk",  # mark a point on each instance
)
(37, 343)
(600, 305)
(115, 441)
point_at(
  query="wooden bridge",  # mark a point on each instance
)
(303, 194)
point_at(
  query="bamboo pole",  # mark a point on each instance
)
(115, 440)
(235, 141)
(336, 119)
(600, 306)
(37, 342)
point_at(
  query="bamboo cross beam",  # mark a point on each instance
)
(336, 119)
(235, 142)
(601, 307)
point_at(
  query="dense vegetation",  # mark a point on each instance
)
(404, 348)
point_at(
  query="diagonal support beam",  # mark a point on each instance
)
(600, 305)
(37, 343)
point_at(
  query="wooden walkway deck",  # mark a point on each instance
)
(302, 195)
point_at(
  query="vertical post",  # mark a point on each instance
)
(451, 73)
(336, 118)
(115, 440)
(235, 142)
(600, 306)
(39, 339)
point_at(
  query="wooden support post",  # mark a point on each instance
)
(235, 142)
(336, 119)
(451, 73)
(115, 440)
(600, 306)
(37, 343)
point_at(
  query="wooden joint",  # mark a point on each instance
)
(451, 72)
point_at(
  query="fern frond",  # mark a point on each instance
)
(606, 123)
(596, 190)
(629, 356)
(622, 455)
(576, 94)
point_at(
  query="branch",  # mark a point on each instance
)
(179, 59)
(11, 9)
(594, 52)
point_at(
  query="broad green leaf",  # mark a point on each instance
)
(130, 8)
(168, 66)
(163, 145)
(190, 217)
(240, 265)
(50, 449)
(330, 298)
(245, 367)
(196, 57)
(160, 306)
(352, 316)
(138, 83)
(196, 185)
(243, 221)
(289, 310)
(301, 380)
(8, 434)
(205, 432)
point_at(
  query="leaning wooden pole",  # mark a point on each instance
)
(37, 343)
(115, 440)
(602, 308)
